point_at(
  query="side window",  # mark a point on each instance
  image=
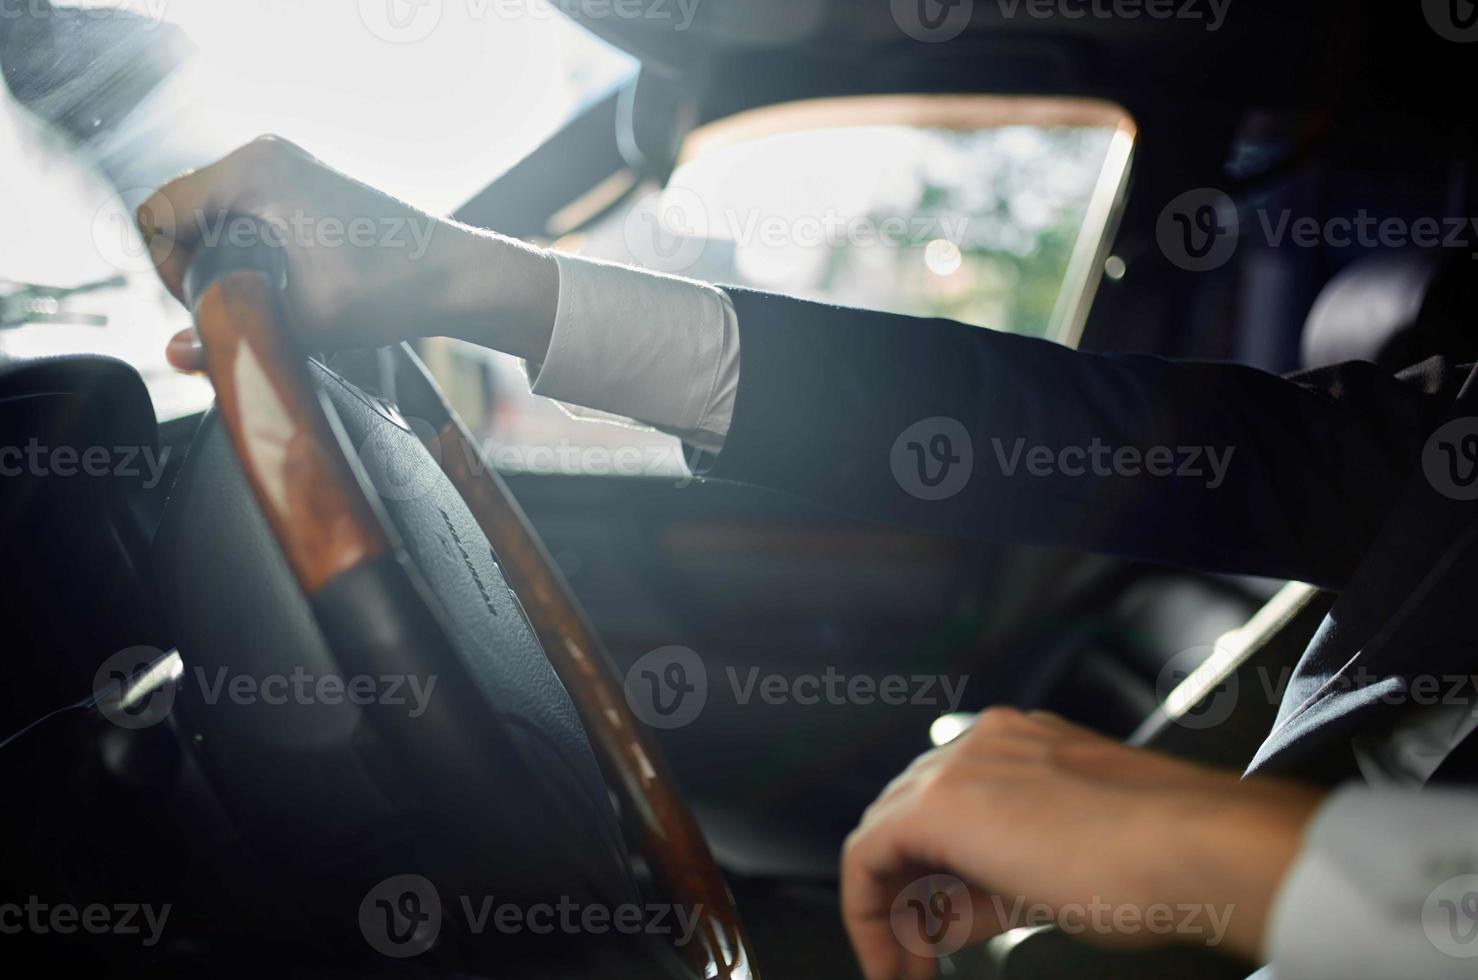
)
(990, 210)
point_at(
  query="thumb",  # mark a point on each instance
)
(184, 352)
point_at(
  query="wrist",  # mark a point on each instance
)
(498, 293)
(1238, 852)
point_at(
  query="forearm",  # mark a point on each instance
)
(1230, 849)
(1216, 466)
(496, 292)
(1301, 477)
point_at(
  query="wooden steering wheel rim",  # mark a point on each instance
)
(322, 518)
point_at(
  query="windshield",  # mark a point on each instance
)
(106, 99)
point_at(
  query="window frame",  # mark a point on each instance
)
(968, 111)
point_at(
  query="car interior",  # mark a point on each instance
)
(542, 556)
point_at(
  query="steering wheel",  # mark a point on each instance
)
(314, 529)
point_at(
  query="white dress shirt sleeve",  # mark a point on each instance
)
(1386, 886)
(645, 347)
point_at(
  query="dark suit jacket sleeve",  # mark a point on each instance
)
(1315, 460)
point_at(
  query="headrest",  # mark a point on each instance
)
(1395, 310)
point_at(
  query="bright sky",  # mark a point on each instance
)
(428, 99)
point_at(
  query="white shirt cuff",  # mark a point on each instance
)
(653, 348)
(1386, 886)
